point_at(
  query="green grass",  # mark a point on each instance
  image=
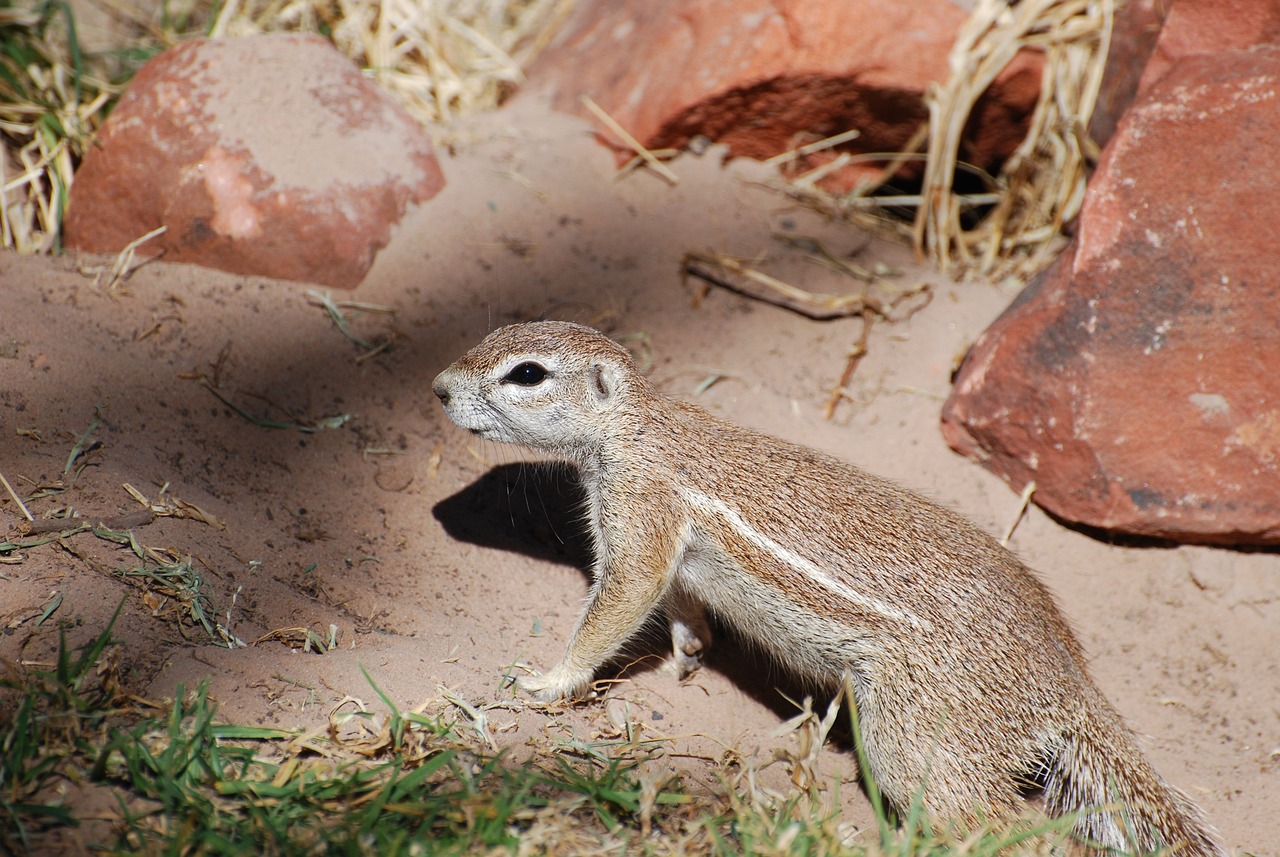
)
(47, 729)
(386, 783)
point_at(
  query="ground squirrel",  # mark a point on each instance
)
(968, 681)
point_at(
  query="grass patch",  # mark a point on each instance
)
(45, 732)
(390, 782)
(51, 102)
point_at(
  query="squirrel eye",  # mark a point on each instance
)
(526, 375)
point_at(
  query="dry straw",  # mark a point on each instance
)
(50, 104)
(442, 58)
(1013, 227)
(1041, 186)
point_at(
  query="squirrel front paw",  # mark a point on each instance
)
(558, 683)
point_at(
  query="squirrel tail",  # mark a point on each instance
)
(1126, 807)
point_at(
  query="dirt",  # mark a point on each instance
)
(445, 562)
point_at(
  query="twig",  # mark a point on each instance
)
(632, 143)
(16, 498)
(840, 390)
(818, 146)
(759, 285)
(1024, 502)
(120, 523)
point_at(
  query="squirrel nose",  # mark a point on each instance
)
(441, 391)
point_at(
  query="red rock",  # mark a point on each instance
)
(762, 76)
(1210, 27)
(1136, 382)
(268, 155)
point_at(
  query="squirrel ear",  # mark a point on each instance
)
(601, 383)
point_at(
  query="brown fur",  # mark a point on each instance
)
(968, 680)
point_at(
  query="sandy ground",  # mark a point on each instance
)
(448, 571)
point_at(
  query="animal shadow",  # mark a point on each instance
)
(530, 509)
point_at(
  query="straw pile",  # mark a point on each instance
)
(1041, 187)
(1014, 226)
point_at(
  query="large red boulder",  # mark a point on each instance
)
(1138, 381)
(267, 155)
(762, 76)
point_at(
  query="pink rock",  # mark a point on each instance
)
(268, 155)
(756, 75)
(1137, 381)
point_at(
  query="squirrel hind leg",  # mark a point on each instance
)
(918, 759)
(690, 633)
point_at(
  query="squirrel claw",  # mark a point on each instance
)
(551, 686)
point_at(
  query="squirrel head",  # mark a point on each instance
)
(548, 385)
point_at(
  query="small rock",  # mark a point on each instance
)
(763, 76)
(269, 155)
(1136, 381)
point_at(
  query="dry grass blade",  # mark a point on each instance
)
(810, 148)
(309, 427)
(303, 639)
(632, 143)
(811, 732)
(337, 313)
(1041, 186)
(1024, 501)
(167, 506)
(21, 505)
(124, 266)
